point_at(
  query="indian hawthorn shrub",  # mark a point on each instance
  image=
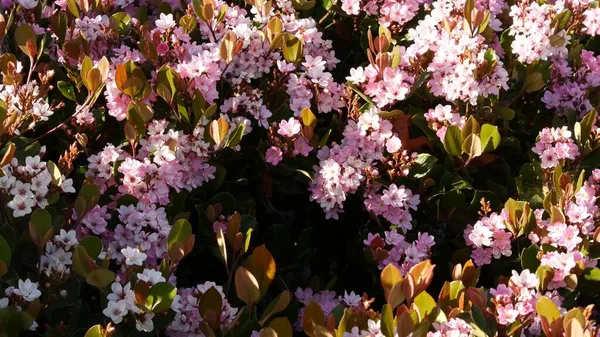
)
(279, 168)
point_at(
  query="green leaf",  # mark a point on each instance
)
(40, 227)
(592, 160)
(168, 78)
(471, 126)
(5, 251)
(359, 92)
(236, 136)
(422, 165)
(101, 278)
(3, 111)
(180, 231)
(91, 194)
(534, 82)
(387, 321)
(161, 296)
(292, 48)
(490, 137)
(587, 124)
(480, 320)
(425, 303)
(453, 141)
(529, 258)
(66, 88)
(14, 321)
(545, 274)
(121, 22)
(126, 200)
(561, 20)
(506, 114)
(418, 83)
(276, 306)
(95, 331)
(92, 245)
(73, 8)
(303, 5)
(83, 265)
(54, 173)
(472, 146)
(23, 34)
(592, 274)
(546, 308)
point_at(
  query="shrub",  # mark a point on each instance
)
(308, 167)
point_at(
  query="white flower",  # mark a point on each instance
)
(133, 256)
(42, 110)
(62, 257)
(34, 164)
(356, 75)
(67, 185)
(33, 326)
(351, 299)
(28, 290)
(163, 155)
(145, 323)
(22, 189)
(4, 303)
(21, 205)
(7, 182)
(116, 311)
(29, 4)
(66, 238)
(524, 280)
(151, 277)
(165, 22)
(393, 144)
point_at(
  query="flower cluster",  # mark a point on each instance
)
(489, 237)
(146, 227)
(327, 300)
(398, 251)
(570, 85)
(568, 233)
(385, 86)
(149, 148)
(555, 146)
(454, 327)
(390, 13)
(373, 330)
(534, 36)
(57, 259)
(441, 117)
(187, 320)
(166, 160)
(516, 301)
(465, 65)
(347, 166)
(29, 186)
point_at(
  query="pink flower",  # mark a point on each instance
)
(162, 48)
(591, 22)
(481, 235)
(273, 155)
(524, 280)
(393, 144)
(165, 22)
(507, 314)
(352, 7)
(289, 128)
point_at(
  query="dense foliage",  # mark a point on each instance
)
(349, 168)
